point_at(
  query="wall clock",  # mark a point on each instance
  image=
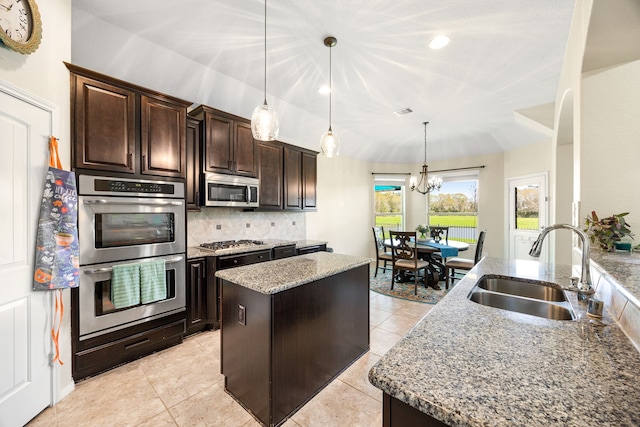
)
(20, 25)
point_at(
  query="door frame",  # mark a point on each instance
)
(509, 213)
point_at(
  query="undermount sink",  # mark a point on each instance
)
(535, 298)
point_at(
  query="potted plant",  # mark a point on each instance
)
(606, 232)
(423, 230)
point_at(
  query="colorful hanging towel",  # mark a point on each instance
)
(153, 281)
(57, 251)
(125, 285)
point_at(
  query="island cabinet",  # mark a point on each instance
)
(121, 127)
(193, 164)
(289, 327)
(227, 143)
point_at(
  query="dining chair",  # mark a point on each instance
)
(381, 253)
(438, 231)
(405, 256)
(456, 263)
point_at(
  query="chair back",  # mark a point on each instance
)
(437, 232)
(402, 248)
(479, 246)
(378, 237)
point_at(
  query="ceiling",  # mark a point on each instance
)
(504, 56)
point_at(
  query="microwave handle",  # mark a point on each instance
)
(247, 194)
(136, 202)
(109, 269)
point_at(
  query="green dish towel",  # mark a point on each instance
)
(153, 281)
(125, 285)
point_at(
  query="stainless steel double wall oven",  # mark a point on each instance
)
(127, 221)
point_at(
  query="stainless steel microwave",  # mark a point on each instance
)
(230, 190)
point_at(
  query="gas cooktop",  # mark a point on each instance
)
(226, 244)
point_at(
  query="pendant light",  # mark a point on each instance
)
(264, 120)
(426, 184)
(329, 143)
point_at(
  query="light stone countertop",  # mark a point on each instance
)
(472, 365)
(623, 267)
(198, 252)
(276, 276)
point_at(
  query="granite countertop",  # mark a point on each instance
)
(276, 276)
(198, 252)
(623, 267)
(471, 365)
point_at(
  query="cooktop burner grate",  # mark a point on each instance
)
(226, 244)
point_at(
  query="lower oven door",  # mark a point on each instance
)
(97, 312)
(117, 228)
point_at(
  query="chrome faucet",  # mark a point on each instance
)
(584, 285)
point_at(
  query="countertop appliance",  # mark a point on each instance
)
(230, 190)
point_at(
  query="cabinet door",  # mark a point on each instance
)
(309, 178)
(270, 174)
(245, 150)
(104, 127)
(193, 164)
(196, 296)
(218, 134)
(163, 132)
(292, 179)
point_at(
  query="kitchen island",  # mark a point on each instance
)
(467, 364)
(289, 327)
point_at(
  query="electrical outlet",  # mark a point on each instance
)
(273, 224)
(248, 225)
(218, 227)
(242, 315)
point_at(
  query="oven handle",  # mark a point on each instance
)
(109, 269)
(137, 202)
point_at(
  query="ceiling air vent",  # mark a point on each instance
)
(403, 111)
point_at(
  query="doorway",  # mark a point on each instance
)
(527, 215)
(26, 375)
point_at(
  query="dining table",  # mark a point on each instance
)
(427, 248)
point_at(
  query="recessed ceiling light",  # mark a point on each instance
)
(324, 89)
(439, 42)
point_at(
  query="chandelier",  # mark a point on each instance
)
(426, 184)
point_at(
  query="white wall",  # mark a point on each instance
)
(44, 75)
(610, 153)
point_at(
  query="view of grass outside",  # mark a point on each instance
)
(527, 207)
(455, 206)
(388, 207)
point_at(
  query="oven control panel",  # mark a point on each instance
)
(132, 187)
(90, 185)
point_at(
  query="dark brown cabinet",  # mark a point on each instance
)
(270, 174)
(228, 145)
(121, 127)
(193, 164)
(198, 309)
(300, 176)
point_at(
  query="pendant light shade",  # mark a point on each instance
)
(329, 142)
(264, 120)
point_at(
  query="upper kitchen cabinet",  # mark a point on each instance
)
(300, 175)
(270, 173)
(193, 164)
(121, 127)
(228, 145)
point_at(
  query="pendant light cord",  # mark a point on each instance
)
(425, 142)
(265, 51)
(330, 85)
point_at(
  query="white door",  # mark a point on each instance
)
(527, 215)
(25, 316)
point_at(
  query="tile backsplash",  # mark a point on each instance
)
(216, 224)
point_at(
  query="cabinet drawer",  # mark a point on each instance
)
(106, 356)
(284, 251)
(238, 260)
(312, 249)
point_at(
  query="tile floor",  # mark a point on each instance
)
(182, 386)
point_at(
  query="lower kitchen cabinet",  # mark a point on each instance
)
(198, 310)
(311, 249)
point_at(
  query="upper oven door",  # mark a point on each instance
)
(120, 228)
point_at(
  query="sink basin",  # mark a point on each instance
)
(535, 298)
(521, 287)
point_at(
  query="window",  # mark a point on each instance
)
(527, 206)
(455, 205)
(388, 198)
